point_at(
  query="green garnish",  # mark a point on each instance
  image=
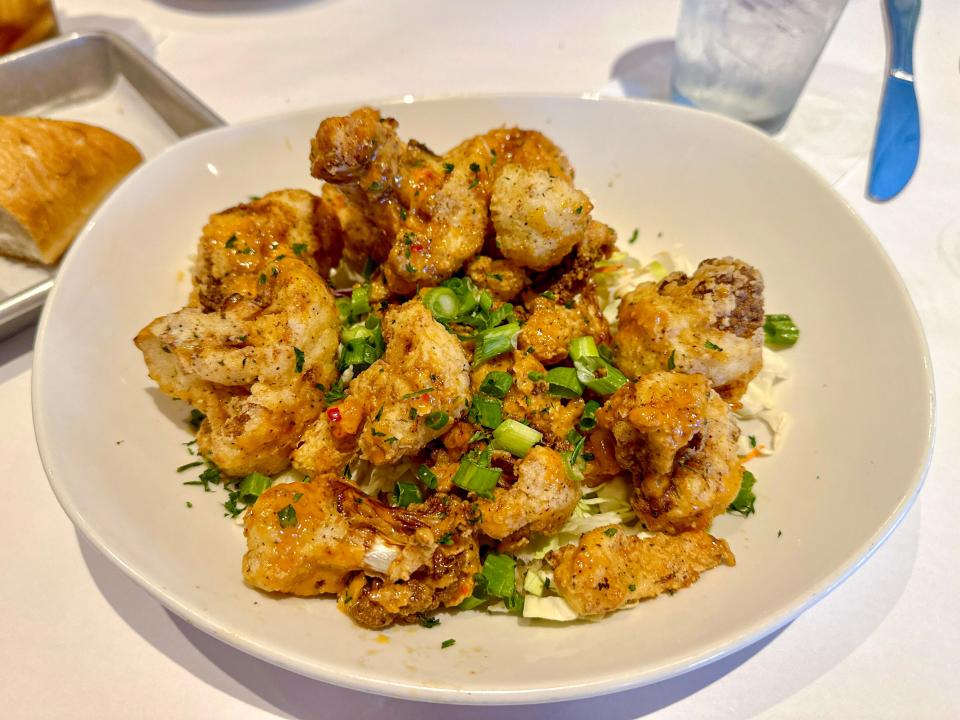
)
(436, 420)
(588, 420)
(610, 532)
(671, 363)
(298, 354)
(252, 487)
(743, 503)
(417, 393)
(563, 382)
(536, 376)
(474, 167)
(515, 437)
(336, 392)
(496, 384)
(495, 341)
(579, 209)
(446, 539)
(262, 279)
(780, 331)
(195, 419)
(297, 496)
(712, 346)
(753, 440)
(287, 517)
(407, 493)
(298, 248)
(189, 465)
(473, 476)
(447, 643)
(633, 236)
(485, 411)
(231, 243)
(375, 186)
(427, 477)
(427, 621)
(448, 168)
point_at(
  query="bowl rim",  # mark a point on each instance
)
(609, 683)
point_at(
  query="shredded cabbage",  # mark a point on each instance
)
(548, 608)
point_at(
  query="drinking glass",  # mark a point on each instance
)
(749, 58)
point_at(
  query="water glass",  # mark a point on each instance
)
(749, 58)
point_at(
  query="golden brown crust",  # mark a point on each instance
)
(53, 174)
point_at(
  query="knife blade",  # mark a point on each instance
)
(896, 147)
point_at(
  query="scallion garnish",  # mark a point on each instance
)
(298, 354)
(253, 485)
(563, 382)
(442, 303)
(360, 301)
(780, 331)
(447, 643)
(592, 369)
(495, 341)
(189, 465)
(436, 420)
(496, 384)
(515, 437)
(584, 346)
(407, 493)
(473, 476)
(485, 411)
(588, 420)
(427, 477)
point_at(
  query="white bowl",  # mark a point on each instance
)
(861, 398)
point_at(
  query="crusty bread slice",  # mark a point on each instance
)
(53, 174)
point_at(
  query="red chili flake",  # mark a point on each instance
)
(417, 247)
(334, 414)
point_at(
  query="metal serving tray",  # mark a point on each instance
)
(98, 78)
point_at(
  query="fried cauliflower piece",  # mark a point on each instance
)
(679, 440)
(540, 501)
(710, 323)
(502, 278)
(384, 416)
(610, 568)
(427, 213)
(387, 564)
(242, 242)
(538, 218)
(252, 368)
(551, 325)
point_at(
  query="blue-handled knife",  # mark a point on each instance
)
(897, 144)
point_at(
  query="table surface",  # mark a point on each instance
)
(79, 639)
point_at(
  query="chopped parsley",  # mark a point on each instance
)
(231, 243)
(417, 393)
(579, 209)
(195, 419)
(189, 465)
(287, 517)
(447, 643)
(610, 532)
(711, 346)
(298, 248)
(633, 236)
(448, 168)
(671, 363)
(298, 353)
(427, 621)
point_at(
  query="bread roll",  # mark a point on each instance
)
(53, 174)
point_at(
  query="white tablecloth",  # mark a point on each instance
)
(80, 640)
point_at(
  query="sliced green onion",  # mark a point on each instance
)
(436, 420)
(253, 485)
(493, 342)
(485, 301)
(407, 493)
(485, 411)
(671, 361)
(599, 375)
(584, 346)
(780, 331)
(473, 476)
(360, 301)
(743, 503)
(442, 303)
(496, 384)
(577, 440)
(447, 643)
(588, 420)
(502, 314)
(515, 437)
(501, 574)
(563, 382)
(287, 517)
(606, 352)
(427, 477)
(357, 331)
(343, 308)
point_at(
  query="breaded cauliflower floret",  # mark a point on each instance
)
(239, 244)
(537, 218)
(387, 564)
(252, 368)
(423, 370)
(551, 325)
(610, 568)
(502, 278)
(679, 440)
(540, 501)
(709, 323)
